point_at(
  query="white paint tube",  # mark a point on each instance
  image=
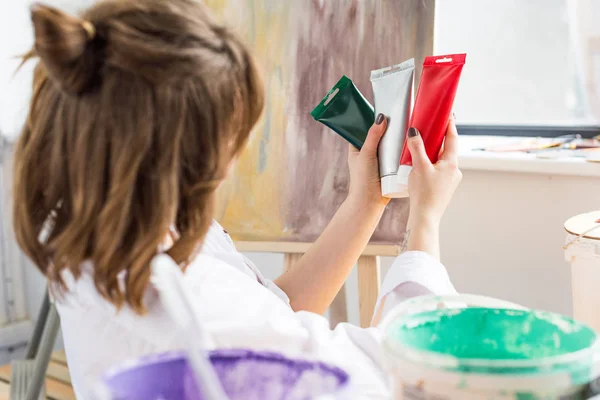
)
(393, 92)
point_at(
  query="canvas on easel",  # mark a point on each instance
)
(293, 176)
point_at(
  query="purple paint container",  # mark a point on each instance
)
(244, 374)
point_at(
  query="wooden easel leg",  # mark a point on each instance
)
(289, 259)
(368, 288)
(338, 311)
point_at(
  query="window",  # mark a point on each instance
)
(531, 64)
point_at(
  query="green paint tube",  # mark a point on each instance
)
(346, 111)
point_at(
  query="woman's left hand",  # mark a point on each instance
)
(365, 183)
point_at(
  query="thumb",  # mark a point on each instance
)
(417, 149)
(374, 136)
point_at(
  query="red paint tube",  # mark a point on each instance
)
(433, 105)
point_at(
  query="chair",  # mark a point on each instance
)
(28, 376)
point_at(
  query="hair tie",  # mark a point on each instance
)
(89, 29)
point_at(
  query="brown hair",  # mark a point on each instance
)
(138, 108)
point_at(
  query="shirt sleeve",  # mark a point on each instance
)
(218, 244)
(269, 284)
(413, 273)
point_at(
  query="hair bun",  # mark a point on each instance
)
(64, 45)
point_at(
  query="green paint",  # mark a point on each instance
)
(492, 334)
(527, 396)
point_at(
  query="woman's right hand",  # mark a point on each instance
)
(430, 187)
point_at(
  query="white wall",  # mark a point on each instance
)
(17, 38)
(15, 89)
(503, 235)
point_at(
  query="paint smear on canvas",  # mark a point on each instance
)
(293, 176)
(250, 201)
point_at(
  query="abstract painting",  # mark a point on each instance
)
(293, 175)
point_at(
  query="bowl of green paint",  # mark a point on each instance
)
(475, 347)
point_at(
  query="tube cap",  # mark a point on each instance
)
(391, 189)
(402, 176)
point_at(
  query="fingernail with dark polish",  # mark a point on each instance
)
(412, 132)
(379, 119)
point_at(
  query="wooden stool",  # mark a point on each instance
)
(582, 251)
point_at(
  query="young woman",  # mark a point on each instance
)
(139, 109)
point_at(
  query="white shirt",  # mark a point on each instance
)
(240, 309)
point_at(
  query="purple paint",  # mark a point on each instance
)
(244, 374)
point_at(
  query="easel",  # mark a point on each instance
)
(368, 267)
